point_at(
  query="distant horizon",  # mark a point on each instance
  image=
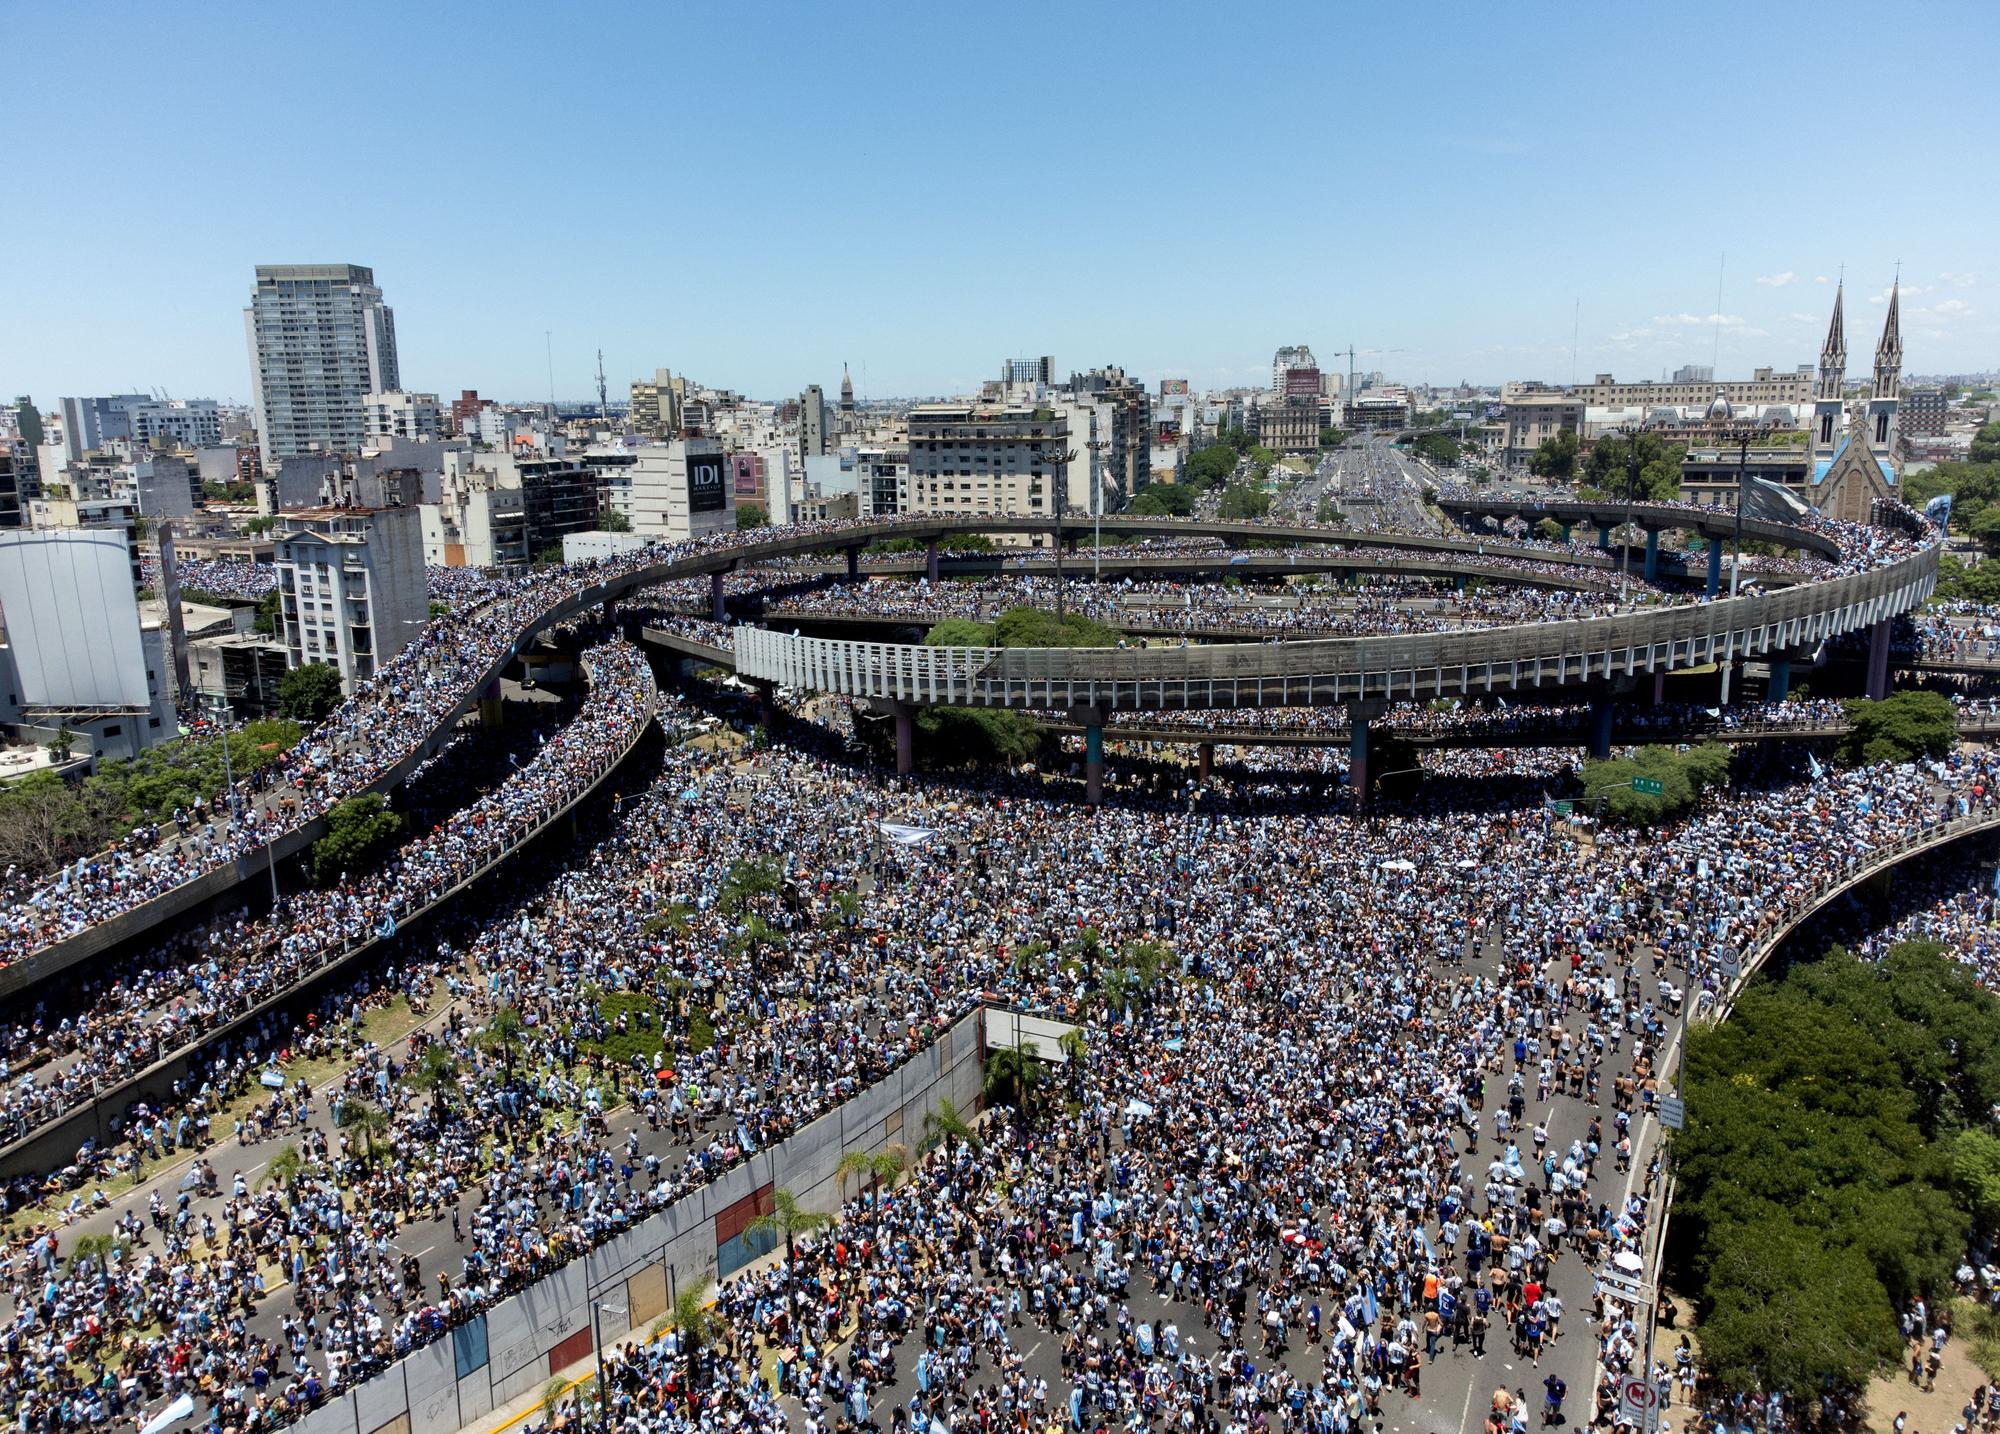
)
(1482, 197)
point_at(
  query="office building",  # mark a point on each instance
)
(1531, 419)
(813, 424)
(90, 423)
(1923, 413)
(401, 415)
(12, 507)
(977, 458)
(1127, 436)
(1290, 424)
(1375, 411)
(351, 586)
(1290, 357)
(1764, 386)
(321, 340)
(655, 409)
(680, 490)
(883, 473)
(1029, 371)
(1694, 373)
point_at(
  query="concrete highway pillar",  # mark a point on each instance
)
(905, 741)
(931, 560)
(1652, 553)
(610, 613)
(1878, 660)
(1565, 528)
(716, 607)
(489, 704)
(1781, 680)
(767, 703)
(1093, 764)
(1458, 583)
(1204, 755)
(1603, 537)
(1714, 566)
(1357, 756)
(1659, 689)
(853, 564)
(1600, 728)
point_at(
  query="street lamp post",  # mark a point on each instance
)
(1059, 464)
(616, 1306)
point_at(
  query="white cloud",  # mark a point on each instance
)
(1943, 309)
(1821, 279)
(1910, 291)
(1963, 280)
(1733, 322)
(1777, 281)
(1804, 318)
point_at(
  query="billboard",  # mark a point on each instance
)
(1173, 387)
(705, 482)
(72, 618)
(749, 481)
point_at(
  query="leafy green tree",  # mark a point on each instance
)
(1209, 467)
(752, 515)
(1168, 500)
(437, 1075)
(1900, 728)
(1683, 777)
(1037, 627)
(1438, 448)
(358, 831)
(506, 1033)
(1975, 1166)
(1242, 503)
(1614, 460)
(613, 521)
(1326, 515)
(1549, 530)
(1332, 437)
(1556, 457)
(266, 621)
(308, 692)
(960, 632)
(1986, 444)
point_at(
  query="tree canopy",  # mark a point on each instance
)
(1900, 728)
(752, 515)
(358, 830)
(1614, 459)
(1556, 457)
(309, 692)
(1683, 777)
(1826, 1170)
(1243, 503)
(1169, 500)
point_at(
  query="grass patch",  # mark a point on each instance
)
(1981, 1327)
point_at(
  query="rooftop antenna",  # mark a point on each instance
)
(549, 347)
(1575, 327)
(603, 400)
(1715, 359)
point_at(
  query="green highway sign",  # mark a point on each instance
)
(1649, 786)
(1563, 809)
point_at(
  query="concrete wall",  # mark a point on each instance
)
(516, 1347)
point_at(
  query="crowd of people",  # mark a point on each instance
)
(238, 964)
(1378, 1096)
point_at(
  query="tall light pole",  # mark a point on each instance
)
(616, 1306)
(1057, 493)
(1095, 445)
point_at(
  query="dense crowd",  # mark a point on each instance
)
(1315, 1145)
(241, 963)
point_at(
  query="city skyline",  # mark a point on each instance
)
(1511, 224)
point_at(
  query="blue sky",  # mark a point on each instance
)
(754, 193)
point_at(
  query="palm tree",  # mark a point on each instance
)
(947, 1124)
(788, 1218)
(1076, 1048)
(287, 1166)
(753, 936)
(1012, 1073)
(365, 1119)
(91, 1250)
(885, 1166)
(436, 1073)
(747, 879)
(843, 912)
(552, 1398)
(506, 1033)
(696, 1325)
(854, 1163)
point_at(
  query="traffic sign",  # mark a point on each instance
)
(1649, 786)
(1673, 1112)
(1563, 809)
(1618, 1284)
(1638, 1400)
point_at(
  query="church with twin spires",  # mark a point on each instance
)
(1853, 447)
